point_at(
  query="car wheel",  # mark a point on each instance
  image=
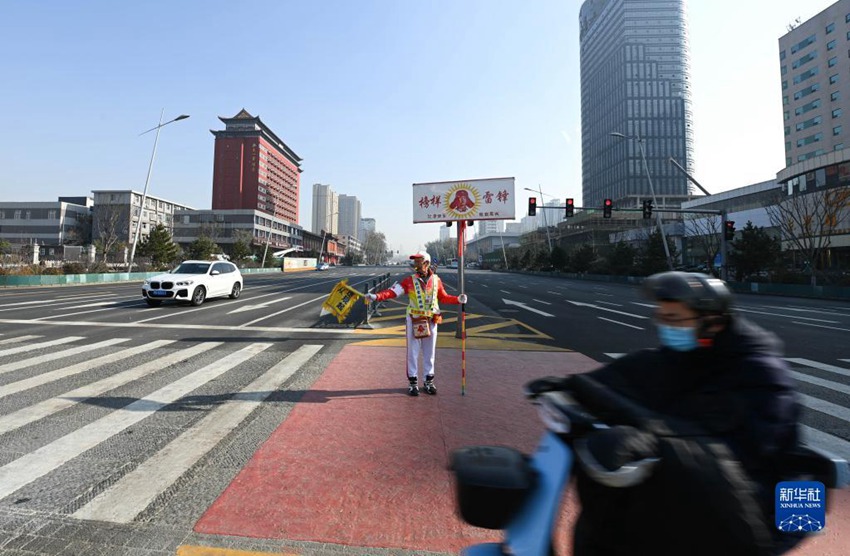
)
(237, 289)
(199, 295)
(153, 302)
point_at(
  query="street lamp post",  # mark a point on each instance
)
(545, 222)
(147, 182)
(639, 141)
(324, 236)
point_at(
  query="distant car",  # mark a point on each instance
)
(194, 282)
(323, 266)
(453, 264)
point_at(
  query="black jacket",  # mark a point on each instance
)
(724, 415)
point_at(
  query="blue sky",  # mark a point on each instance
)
(374, 95)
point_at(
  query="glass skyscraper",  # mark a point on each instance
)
(635, 80)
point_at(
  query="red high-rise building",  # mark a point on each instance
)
(254, 169)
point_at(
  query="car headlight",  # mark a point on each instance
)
(185, 283)
(147, 283)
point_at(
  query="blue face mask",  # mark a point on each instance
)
(677, 338)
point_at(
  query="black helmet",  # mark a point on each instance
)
(703, 294)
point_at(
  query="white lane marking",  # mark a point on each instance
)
(258, 306)
(614, 355)
(845, 360)
(609, 303)
(45, 378)
(650, 305)
(817, 365)
(283, 311)
(836, 386)
(526, 307)
(26, 469)
(48, 407)
(63, 315)
(40, 345)
(605, 294)
(620, 323)
(554, 293)
(580, 304)
(52, 302)
(828, 442)
(88, 305)
(540, 301)
(820, 326)
(484, 285)
(32, 361)
(824, 406)
(507, 292)
(127, 498)
(524, 287)
(741, 309)
(93, 324)
(18, 339)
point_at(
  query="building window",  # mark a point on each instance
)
(835, 96)
(836, 113)
(832, 61)
(836, 130)
(833, 79)
(51, 214)
(787, 130)
(830, 45)
(830, 28)
(839, 147)
(28, 215)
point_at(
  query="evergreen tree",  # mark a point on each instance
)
(653, 258)
(559, 258)
(754, 251)
(621, 259)
(159, 247)
(203, 248)
(241, 246)
(583, 258)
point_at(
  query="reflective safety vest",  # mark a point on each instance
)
(423, 302)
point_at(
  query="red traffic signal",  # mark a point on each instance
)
(570, 208)
(532, 206)
(607, 206)
(730, 230)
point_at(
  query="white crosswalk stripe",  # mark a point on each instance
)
(48, 407)
(17, 339)
(56, 355)
(34, 465)
(45, 378)
(135, 491)
(40, 345)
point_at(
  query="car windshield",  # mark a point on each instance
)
(192, 268)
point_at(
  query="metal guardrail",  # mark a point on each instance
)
(371, 286)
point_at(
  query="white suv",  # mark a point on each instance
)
(194, 281)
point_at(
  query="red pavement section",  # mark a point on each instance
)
(359, 463)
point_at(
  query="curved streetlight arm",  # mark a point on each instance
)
(639, 141)
(147, 182)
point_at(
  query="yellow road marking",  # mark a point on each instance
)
(187, 550)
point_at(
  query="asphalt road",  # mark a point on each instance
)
(96, 387)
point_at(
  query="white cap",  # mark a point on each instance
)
(421, 255)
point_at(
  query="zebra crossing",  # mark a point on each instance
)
(810, 399)
(64, 402)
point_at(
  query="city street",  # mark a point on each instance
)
(122, 421)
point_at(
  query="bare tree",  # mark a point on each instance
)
(108, 226)
(808, 220)
(706, 234)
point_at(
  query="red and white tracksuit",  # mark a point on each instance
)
(424, 297)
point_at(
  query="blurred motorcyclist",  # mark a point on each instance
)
(720, 411)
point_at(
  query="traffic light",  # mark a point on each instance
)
(607, 205)
(532, 206)
(730, 230)
(571, 207)
(647, 209)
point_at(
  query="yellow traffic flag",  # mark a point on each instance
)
(341, 300)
